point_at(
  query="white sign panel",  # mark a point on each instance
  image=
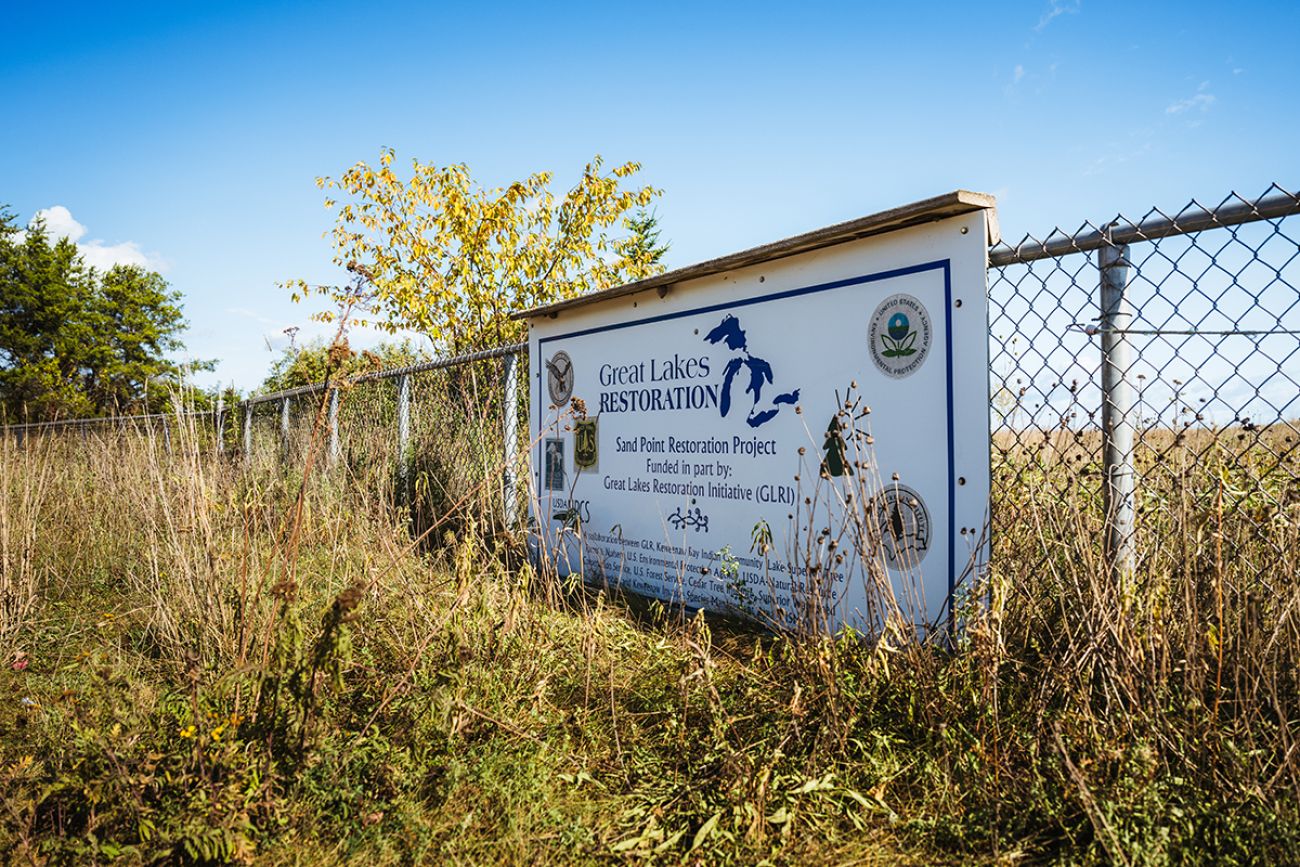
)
(803, 438)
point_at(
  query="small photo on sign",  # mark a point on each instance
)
(553, 471)
(586, 443)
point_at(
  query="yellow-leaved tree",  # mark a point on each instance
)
(451, 260)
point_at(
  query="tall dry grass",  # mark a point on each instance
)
(299, 663)
(27, 497)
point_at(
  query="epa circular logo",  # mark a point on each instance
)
(559, 378)
(899, 335)
(903, 522)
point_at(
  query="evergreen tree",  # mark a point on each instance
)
(641, 251)
(77, 342)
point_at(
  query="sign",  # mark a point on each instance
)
(798, 437)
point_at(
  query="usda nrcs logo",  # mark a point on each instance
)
(899, 335)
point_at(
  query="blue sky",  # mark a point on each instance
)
(189, 136)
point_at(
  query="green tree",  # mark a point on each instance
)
(311, 363)
(43, 289)
(642, 248)
(138, 321)
(77, 342)
(452, 260)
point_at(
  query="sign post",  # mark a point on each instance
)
(798, 433)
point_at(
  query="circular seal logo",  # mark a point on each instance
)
(899, 335)
(559, 378)
(904, 525)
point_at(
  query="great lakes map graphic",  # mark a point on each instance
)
(729, 332)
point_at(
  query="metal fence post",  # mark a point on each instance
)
(1117, 422)
(167, 435)
(284, 428)
(510, 437)
(334, 449)
(221, 439)
(248, 433)
(403, 436)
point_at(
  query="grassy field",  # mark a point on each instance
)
(204, 663)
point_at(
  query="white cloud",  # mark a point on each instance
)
(250, 314)
(59, 223)
(104, 256)
(1018, 74)
(1057, 8)
(1200, 101)
(1116, 157)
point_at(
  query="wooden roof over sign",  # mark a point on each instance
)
(949, 205)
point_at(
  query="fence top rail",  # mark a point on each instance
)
(392, 372)
(1232, 211)
(104, 420)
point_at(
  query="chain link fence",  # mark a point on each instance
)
(1144, 389)
(431, 438)
(163, 427)
(1145, 372)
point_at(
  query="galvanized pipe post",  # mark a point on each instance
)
(404, 436)
(248, 433)
(510, 437)
(1117, 419)
(220, 418)
(284, 428)
(334, 448)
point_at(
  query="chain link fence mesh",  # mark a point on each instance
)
(1214, 334)
(429, 439)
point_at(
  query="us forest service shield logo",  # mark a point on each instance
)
(586, 443)
(559, 378)
(904, 525)
(899, 335)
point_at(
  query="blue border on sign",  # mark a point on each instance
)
(944, 265)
